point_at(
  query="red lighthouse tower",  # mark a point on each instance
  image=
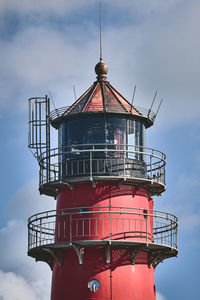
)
(104, 239)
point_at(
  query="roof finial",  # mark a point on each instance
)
(101, 57)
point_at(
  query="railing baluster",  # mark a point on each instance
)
(36, 236)
(59, 229)
(77, 228)
(109, 224)
(70, 228)
(151, 166)
(89, 227)
(84, 161)
(90, 165)
(124, 165)
(40, 232)
(147, 230)
(135, 227)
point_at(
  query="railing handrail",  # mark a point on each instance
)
(156, 227)
(145, 112)
(153, 213)
(58, 112)
(162, 157)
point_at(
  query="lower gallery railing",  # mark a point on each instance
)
(91, 224)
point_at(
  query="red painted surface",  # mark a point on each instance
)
(103, 195)
(119, 280)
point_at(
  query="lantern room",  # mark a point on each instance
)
(103, 126)
(101, 137)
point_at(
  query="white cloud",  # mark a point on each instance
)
(185, 204)
(145, 8)
(17, 270)
(13, 249)
(13, 245)
(27, 201)
(14, 234)
(39, 59)
(168, 59)
(159, 296)
(60, 7)
(15, 287)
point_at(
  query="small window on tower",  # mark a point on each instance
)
(83, 211)
(145, 213)
(93, 285)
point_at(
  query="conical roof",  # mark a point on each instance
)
(102, 97)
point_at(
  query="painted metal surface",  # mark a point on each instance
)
(119, 277)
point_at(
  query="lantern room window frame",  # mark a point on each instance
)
(118, 130)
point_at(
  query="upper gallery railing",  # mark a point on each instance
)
(102, 160)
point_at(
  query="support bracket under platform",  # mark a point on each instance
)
(134, 253)
(79, 251)
(107, 252)
(55, 254)
(154, 259)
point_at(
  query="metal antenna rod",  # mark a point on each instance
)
(133, 97)
(74, 92)
(152, 103)
(101, 57)
(46, 113)
(53, 104)
(52, 100)
(153, 100)
(133, 94)
(159, 107)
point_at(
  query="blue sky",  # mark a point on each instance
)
(51, 45)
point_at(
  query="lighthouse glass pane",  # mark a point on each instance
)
(85, 131)
(84, 134)
(116, 136)
(136, 138)
(114, 133)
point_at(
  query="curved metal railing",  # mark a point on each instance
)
(58, 112)
(147, 113)
(102, 160)
(122, 224)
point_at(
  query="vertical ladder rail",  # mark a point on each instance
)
(48, 162)
(39, 131)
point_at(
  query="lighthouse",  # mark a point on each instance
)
(105, 239)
